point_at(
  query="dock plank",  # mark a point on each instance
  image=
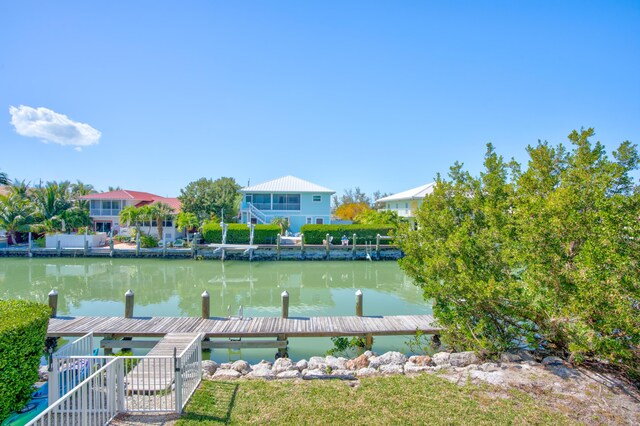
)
(247, 327)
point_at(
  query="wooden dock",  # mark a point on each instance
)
(152, 375)
(243, 328)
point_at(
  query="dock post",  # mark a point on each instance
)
(111, 246)
(86, 243)
(359, 303)
(53, 303)
(378, 246)
(164, 245)
(353, 248)
(206, 305)
(193, 245)
(278, 246)
(326, 241)
(206, 311)
(302, 246)
(282, 352)
(128, 304)
(29, 246)
(58, 247)
(137, 243)
(128, 311)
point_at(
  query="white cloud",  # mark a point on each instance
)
(49, 126)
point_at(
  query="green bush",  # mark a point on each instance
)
(315, 234)
(40, 242)
(148, 241)
(23, 328)
(238, 233)
(545, 256)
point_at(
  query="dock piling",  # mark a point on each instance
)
(327, 242)
(128, 304)
(302, 246)
(53, 302)
(278, 246)
(353, 248)
(285, 304)
(206, 305)
(359, 303)
(378, 246)
(282, 351)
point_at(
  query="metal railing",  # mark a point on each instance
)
(262, 218)
(189, 366)
(93, 402)
(96, 388)
(65, 373)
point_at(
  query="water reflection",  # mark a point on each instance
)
(173, 287)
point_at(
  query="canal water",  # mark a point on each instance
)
(174, 288)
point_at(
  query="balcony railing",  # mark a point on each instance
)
(104, 212)
(286, 206)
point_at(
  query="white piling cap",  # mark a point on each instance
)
(359, 293)
(205, 293)
(285, 294)
(129, 293)
(53, 292)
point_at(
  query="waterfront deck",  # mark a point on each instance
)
(243, 328)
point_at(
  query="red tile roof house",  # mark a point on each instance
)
(105, 207)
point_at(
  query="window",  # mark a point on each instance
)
(286, 201)
(406, 205)
(168, 223)
(260, 201)
(309, 220)
(319, 221)
(105, 207)
(317, 198)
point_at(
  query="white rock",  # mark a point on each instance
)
(302, 364)
(209, 366)
(262, 365)
(310, 374)
(225, 366)
(489, 366)
(343, 374)
(392, 358)
(283, 364)
(261, 373)
(226, 374)
(317, 363)
(369, 354)
(367, 371)
(462, 359)
(289, 374)
(336, 363)
(391, 369)
(241, 366)
(441, 358)
(374, 362)
(410, 367)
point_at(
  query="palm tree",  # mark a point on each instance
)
(79, 189)
(129, 215)
(186, 221)
(147, 213)
(282, 222)
(4, 179)
(20, 188)
(161, 212)
(16, 215)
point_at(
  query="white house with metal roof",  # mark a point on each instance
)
(300, 201)
(406, 203)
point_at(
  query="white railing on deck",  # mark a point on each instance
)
(64, 373)
(96, 388)
(92, 402)
(189, 365)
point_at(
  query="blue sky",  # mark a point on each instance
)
(380, 95)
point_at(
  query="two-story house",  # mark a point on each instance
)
(299, 201)
(406, 203)
(105, 207)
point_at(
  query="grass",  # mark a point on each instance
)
(424, 399)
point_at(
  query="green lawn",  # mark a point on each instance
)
(424, 399)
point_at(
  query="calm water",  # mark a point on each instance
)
(173, 288)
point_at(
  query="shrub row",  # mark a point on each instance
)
(238, 233)
(23, 328)
(315, 234)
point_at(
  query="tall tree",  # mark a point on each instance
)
(16, 215)
(4, 179)
(205, 197)
(186, 221)
(131, 215)
(162, 212)
(547, 257)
